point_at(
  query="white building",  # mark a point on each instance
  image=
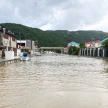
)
(26, 46)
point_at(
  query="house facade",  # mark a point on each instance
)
(88, 44)
(8, 40)
(93, 44)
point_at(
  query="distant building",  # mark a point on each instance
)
(8, 41)
(71, 44)
(89, 44)
(26, 45)
(93, 44)
(97, 44)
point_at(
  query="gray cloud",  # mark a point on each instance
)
(56, 14)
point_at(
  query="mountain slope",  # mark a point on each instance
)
(54, 38)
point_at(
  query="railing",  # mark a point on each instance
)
(4, 62)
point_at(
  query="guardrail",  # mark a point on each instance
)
(4, 62)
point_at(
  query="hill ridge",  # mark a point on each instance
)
(54, 38)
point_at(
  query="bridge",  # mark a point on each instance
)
(52, 48)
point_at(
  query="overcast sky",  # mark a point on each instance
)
(56, 14)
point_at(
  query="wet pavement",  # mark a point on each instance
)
(55, 81)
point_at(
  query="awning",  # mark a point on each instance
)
(26, 48)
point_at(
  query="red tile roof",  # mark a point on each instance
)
(97, 41)
(67, 47)
(89, 43)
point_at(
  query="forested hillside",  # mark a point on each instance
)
(54, 38)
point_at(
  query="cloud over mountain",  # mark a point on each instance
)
(56, 14)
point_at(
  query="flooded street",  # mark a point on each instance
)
(55, 81)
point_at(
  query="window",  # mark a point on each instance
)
(13, 39)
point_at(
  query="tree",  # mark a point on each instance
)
(70, 50)
(58, 51)
(105, 46)
(73, 50)
(82, 46)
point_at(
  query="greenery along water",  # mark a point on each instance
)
(54, 38)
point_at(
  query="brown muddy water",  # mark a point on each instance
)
(55, 81)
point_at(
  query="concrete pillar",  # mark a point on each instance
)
(94, 52)
(41, 50)
(87, 52)
(98, 52)
(103, 53)
(90, 51)
(62, 51)
(84, 51)
(80, 52)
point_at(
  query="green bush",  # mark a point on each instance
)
(73, 50)
(58, 51)
(105, 46)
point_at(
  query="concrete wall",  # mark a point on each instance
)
(96, 45)
(33, 46)
(87, 45)
(28, 43)
(13, 44)
(0, 53)
(9, 43)
(9, 55)
(6, 42)
(18, 52)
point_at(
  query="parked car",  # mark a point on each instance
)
(25, 56)
(38, 54)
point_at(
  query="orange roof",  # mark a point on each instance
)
(25, 48)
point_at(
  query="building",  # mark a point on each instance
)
(89, 44)
(26, 45)
(71, 44)
(97, 44)
(8, 40)
(93, 44)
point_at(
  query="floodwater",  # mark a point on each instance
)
(55, 81)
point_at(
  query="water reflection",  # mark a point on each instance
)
(50, 81)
